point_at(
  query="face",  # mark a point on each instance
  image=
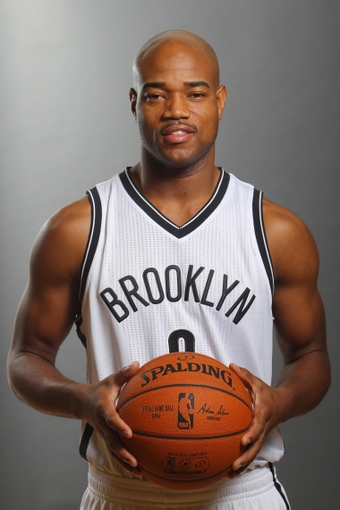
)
(177, 104)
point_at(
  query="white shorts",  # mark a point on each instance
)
(257, 489)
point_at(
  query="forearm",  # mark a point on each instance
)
(302, 384)
(40, 385)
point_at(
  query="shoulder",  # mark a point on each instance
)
(292, 247)
(73, 218)
(61, 243)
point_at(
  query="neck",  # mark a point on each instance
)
(178, 193)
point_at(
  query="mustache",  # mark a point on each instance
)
(179, 124)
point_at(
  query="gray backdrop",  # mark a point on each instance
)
(65, 125)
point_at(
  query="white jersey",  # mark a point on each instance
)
(148, 285)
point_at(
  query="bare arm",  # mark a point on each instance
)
(44, 319)
(46, 313)
(300, 326)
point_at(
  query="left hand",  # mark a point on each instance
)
(265, 417)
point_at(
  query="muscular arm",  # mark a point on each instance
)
(44, 319)
(298, 312)
(300, 326)
(46, 313)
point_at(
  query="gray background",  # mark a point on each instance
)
(65, 125)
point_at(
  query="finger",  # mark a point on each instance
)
(243, 462)
(107, 420)
(257, 428)
(247, 457)
(124, 374)
(233, 474)
(134, 470)
(115, 422)
(246, 377)
(114, 383)
(118, 450)
(121, 377)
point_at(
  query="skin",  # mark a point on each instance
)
(177, 103)
(176, 90)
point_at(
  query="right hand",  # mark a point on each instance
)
(100, 411)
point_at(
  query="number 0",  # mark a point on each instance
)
(187, 336)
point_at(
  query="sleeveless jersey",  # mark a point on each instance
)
(145, 280)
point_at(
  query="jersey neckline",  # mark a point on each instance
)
(162, 220)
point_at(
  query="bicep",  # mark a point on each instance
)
(299, 321)
(50, 302)
(297, 307)
(44, 319)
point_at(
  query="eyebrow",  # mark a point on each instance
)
(161, 84)
(154, 85)
(197, 84)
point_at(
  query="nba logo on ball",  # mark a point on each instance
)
(185, 411)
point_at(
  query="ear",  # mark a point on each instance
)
(221, 97)
(133, 101)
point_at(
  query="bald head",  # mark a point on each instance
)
(174, 41)
(177, 100)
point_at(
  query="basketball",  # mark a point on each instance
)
(188, 413)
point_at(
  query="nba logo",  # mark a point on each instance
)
(185, 418)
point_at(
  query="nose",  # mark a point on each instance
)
(176, 107)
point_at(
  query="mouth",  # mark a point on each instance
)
(177, 133)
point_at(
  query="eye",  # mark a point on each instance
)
(197, 95)
(153, 97)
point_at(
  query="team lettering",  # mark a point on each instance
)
(151, 290)
(169, 368)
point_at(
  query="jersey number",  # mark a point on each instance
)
(181, 334)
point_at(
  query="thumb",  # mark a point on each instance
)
(240, 371)
(124, 374)
(246, 377)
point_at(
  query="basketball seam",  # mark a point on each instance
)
(121, 405)
(189, 438)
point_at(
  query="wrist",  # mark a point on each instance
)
(284, 404)
(80, 403)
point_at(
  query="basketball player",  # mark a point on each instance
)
(173, 244)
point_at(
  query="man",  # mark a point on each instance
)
(173, 243)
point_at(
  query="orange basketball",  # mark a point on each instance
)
(188, 413)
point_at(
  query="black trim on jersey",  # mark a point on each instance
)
(261, 236)
(278, 486)
(78, 322)
(164, 222)
(96, 221)
(85, 439)
(92, 242)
